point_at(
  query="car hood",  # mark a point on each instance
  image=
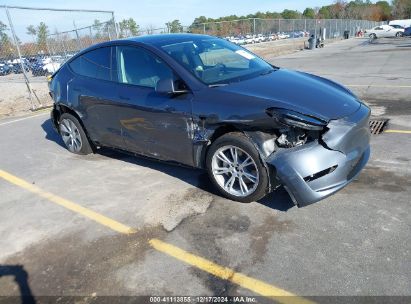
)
(305, 93)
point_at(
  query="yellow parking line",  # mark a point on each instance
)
(257, 286)
(225, 273)
(398, 131)
(99, 218)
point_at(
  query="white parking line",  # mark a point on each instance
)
(378, 86)
(23, 118)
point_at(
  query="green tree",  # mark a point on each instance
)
(42, 33)
(384, 9)
(31, 30)
(97, 27)
(3, 28)
(174, 26)
(290, 14)
(401, 9)
(309, 13)
(6, 46)
(324, 12)
(128, 27)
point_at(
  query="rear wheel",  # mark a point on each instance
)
(399, 34)
(235, 168)
(73, 135)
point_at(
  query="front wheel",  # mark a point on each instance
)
(399, 34)
(73, 135)
(235, 168)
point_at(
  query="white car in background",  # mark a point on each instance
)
(250, 39)
(272, 37)
(260, 38)
(384, 31)
(51, 64)
(404, 22)
(237, 40)
(283, 36)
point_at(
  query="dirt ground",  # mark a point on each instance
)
(14, 96)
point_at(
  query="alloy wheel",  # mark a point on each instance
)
(235, 171)
(71, 135)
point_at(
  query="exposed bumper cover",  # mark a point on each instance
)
(314, 171)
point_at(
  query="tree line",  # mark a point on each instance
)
(358, 9)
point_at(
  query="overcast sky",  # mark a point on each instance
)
(145, 12)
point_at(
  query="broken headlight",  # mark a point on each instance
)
(297, 128)
(297, 120)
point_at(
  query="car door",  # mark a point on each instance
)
(153, 124)
(95, 96)
(388, 31)
(378, 31)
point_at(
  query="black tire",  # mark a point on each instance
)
(85, 146)
(399, 34)
(239, 140)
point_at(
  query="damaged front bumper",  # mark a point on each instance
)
(316, 170)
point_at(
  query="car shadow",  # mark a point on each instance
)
(20, 276)
(51, 134)
(278, 199)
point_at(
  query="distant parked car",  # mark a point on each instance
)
(260, 38)
(4, 69)
(18, 70)
(51, 67)
(403, 22)
(384, 31)
(283, 36)
(407, 32)
(250, 39)
(397, 26)
(297, 34)
(46, 66)
(272, 37)
(37, 68)
(238, 40)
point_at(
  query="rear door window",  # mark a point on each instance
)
(95, 64)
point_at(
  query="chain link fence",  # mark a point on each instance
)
(34, 42)
(292, 27)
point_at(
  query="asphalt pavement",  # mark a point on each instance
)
(112, 224)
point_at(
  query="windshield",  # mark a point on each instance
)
(216, 61)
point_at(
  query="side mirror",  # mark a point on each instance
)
(166, 86)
